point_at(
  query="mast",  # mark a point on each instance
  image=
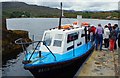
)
(60, 17)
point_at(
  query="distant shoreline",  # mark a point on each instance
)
(67, 17)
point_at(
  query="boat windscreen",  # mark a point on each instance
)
(48, 39)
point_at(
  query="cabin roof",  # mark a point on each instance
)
(61, 31)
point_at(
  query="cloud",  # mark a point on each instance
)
(101, 6)
(79, 5)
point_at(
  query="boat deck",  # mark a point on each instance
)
(101, 63)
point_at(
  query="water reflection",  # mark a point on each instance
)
(14, 67)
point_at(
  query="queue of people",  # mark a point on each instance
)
(107, 34)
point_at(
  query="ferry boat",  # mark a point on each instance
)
(61, 52)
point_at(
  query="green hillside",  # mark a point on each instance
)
(20, 9)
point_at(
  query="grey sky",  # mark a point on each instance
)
(79, 5)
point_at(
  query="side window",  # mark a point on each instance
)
(72, 37)
(58, 40)
(57, 43)
(48, 39)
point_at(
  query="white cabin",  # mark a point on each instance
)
(63, 40)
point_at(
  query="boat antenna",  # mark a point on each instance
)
(60, 17)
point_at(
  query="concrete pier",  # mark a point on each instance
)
(101, 63)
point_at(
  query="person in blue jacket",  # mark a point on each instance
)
(117, 35)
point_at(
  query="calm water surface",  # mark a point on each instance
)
(36, 27)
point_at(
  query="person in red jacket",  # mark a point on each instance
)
(92, 33)
(113, 34)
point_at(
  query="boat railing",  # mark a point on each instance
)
(22, 42)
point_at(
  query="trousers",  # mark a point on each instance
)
(99, 40)
(112, 44)
(106, 42)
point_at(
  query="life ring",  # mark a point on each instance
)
(75, 23)
(85, 24)
(65, 27)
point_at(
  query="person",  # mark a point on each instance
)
(92, 33)
(106, 36)
(99, 36)
(118, 36)
(113, 34)
(110, 27)
(119, 40)
(117, 30)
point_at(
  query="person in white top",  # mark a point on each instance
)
(106, 36)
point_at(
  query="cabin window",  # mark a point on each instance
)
(48, 39)
(57, 43)
(72, 37)
(58, 40)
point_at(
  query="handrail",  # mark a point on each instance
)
(20, 42)
(16, 42)
(34, 51)
(49, 50)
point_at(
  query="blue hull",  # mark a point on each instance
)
(65, 69)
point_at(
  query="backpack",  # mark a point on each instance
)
(113, 35)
